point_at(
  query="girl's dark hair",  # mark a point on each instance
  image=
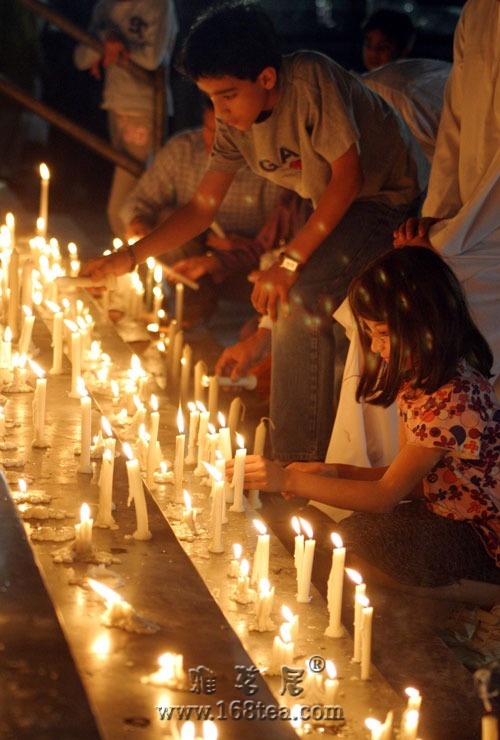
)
(235, 39)
(418, 296)
(396, 25)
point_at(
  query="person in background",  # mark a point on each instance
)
(432, 517)
(461, 213)
(220, 258)
(388, 35)
(145, 32)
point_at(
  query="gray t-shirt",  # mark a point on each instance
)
(322, 110)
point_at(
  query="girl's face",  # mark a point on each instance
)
(378, 331)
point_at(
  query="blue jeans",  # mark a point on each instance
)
(308, 346)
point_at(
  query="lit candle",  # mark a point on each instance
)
(170, 673)
(13, 306)
(293, 621)
(85, 465)
(154, 424)
(179, 303)
(298, 554)
(39, 405)
(242, 593)
(263, 607)
(360, 590)
(414, 698)
(26, 331)
(260, 568)
(27, 283)
(43, 212)
(335, 588)
(83, 533)
(235, 415)
(189, 514)
(180, 442)
(234, 565)
(224, 438)
(282, 650)
(213, 397)
(104, 512)
(57, 343)
(216, 544)
(238, 476)
(409, 725)
(259, 444)
(7, 348)
(366, 637)
(303, 594)
(76, 358)
(136, 494)
(331, 684)
(119, 613)
(194, 419)
(202, 435)
(200, 371)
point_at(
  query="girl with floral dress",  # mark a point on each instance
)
(432, 517)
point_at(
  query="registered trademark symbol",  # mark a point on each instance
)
(316, 664)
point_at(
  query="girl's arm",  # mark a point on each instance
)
(401, 480)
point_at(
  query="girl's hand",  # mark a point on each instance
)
(260, 473)
(118, 263)
(414, 232)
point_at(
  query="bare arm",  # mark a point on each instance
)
(183, 225)
(401, 480)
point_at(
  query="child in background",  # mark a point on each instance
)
(144, 31)
(388, 35)
(432, 517)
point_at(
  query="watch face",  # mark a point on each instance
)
(288, 263)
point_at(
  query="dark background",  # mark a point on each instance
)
(39, 58)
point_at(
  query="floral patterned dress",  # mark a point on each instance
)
(463, 418)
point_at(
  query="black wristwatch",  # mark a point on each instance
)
(289, 263)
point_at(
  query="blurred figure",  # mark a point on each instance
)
(387, 35)
(144, 31)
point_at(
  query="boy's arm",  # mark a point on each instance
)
(183, 225)
(342, 190)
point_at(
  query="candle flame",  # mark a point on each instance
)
(264, 587)
(244, 567)
(36, 369)
(285, 633)
(372, 724)
(107, 455)
(209, 730)
(71, 326)
(127, 451)
(7, 335)
(296, 525)
(211, 429)
(154, 402)
(201, 407)
(150, 262)
(331, 669)
(187, 500)
(337, 539)
(222, 419)
(22, 485)
(110, 596)
(84, 513)
(354, 576)
(158, 273)
(191, 406)
(295, 716)
(187, 732)
(240, 441)
(44, 171)
(106, 427)
(216, 474)
(72, 249)
(237, 550)
(27, 311)
(363, 600)
(180, 421)
(306, 527)
(259, 526)
(287, 613)
(412, 692)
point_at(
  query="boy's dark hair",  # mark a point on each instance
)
(395, 25)
(419, 297)
(235, 39)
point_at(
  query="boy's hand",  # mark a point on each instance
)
(197, 266)
(271, 286)
(235, 361)
(118, 263)
(414, 232)
(260, 473)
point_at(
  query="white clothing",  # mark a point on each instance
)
(464, 186)
(415, 88)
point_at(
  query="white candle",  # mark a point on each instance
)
(224, 438)
(202, 434)
(234, 565)
(154, 424)
(366, 637)
(360, 590)
(180, 442)
(264, 606)
(213, 397)
(26, 331)
(104, 512)
(489, 727)
(43, 212)
(83, 532)
(260, 568)
(76, 358)
(57, 343)
(235, 415)
(292, 620)
(282, 651)
(414, 698)
(303, 594)
(239, 476)
(409, 725)
(189, 514)
(179, 303)
(298, 555)
(259, 444)
(216, 544)
(194, 420)
(186, 362)
(176, 358)
(39, 406)
(27, 283)
(13, 307)
(136, 494)
(200, 371)
(85, 465)
(335, 588)
(331, 684)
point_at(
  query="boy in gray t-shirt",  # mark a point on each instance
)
(308, 125)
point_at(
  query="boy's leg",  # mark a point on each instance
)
(305, 357)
